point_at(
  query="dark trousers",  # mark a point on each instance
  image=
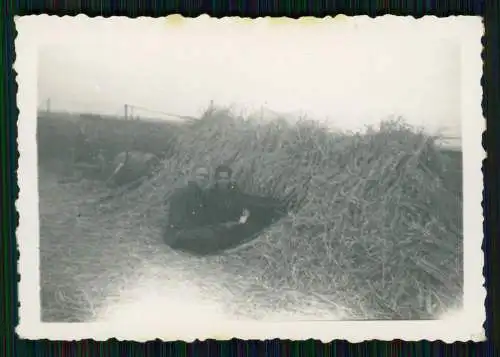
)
(215, 238)
(209, 240)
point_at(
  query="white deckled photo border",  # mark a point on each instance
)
(464, 326)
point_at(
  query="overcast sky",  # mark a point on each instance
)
(351, 74)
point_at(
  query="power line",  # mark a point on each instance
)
(161, 112)
(127, 111)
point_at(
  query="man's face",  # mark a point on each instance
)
(223, 179)
(202, 177)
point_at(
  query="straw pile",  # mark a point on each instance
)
(376, 226)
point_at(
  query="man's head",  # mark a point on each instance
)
(201, 177)
(223, 175)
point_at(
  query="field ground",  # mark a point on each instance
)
(96, 266)
(103, 261)
(57, 133)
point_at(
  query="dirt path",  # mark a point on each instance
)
(101, 266)
(88, 260)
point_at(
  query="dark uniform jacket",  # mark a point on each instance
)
(228, 204)
(188, 208)
(225, 205)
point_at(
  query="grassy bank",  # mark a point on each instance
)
(379, 225)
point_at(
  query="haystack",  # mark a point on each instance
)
(376, 226)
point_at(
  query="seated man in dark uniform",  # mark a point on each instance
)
(241, 216)
(206, 221)
(225, 199)
(187, 208)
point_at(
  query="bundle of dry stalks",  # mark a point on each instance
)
(378, 227)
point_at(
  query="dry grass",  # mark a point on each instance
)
(376, 230)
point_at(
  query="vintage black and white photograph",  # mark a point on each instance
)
(186, 178)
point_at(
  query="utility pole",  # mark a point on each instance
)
(126, 111)
(48, 105)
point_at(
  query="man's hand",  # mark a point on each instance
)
(244, 216)
(242, 220)
(230, 224)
